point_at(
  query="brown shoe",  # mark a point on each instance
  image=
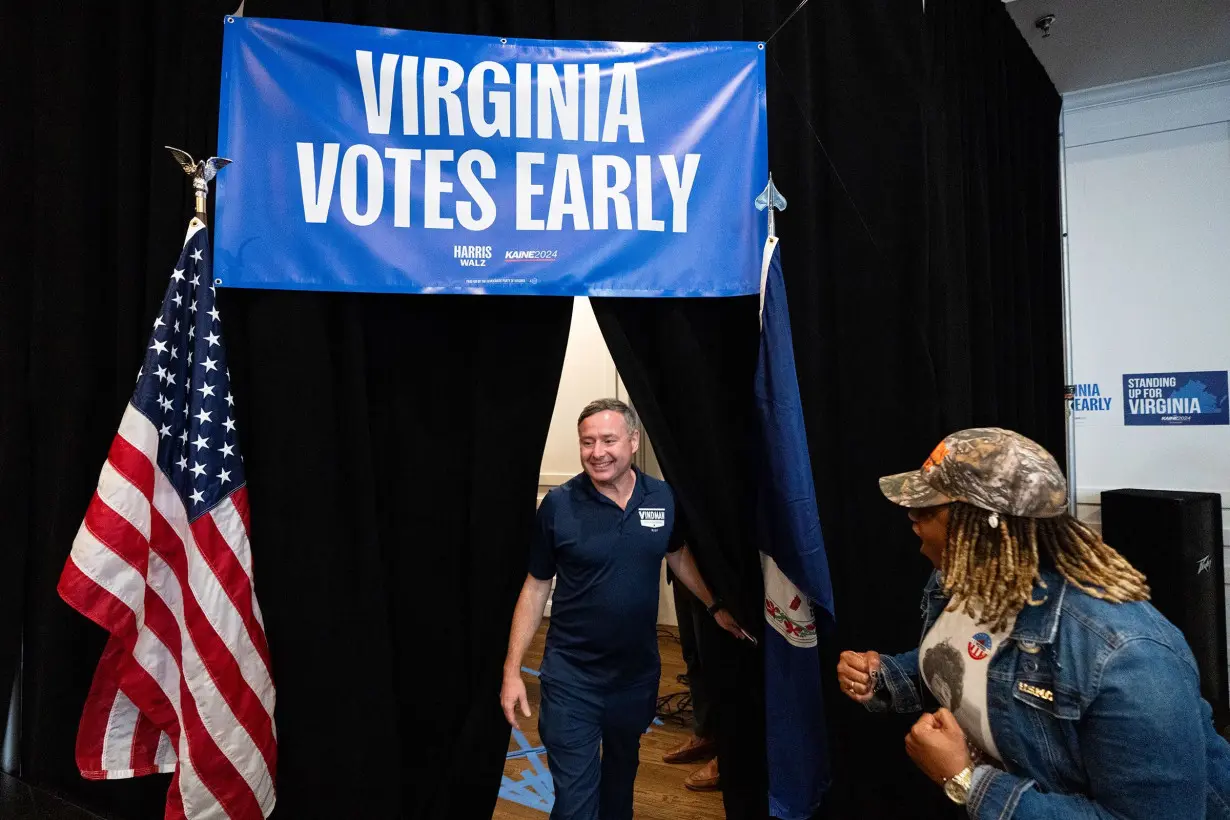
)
(696, 749)
(705, 779)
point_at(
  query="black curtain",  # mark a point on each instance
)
(98, 91)
(919, 156)
(994, 245)
(392, 444)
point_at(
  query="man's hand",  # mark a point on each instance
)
(513, 693)
(856, 673)
(936, 744)
(683, 565)
(728, 622)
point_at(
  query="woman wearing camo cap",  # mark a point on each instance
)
(1062, 692)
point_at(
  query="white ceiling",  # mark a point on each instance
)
(1097, 42)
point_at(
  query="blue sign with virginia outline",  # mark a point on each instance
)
(381, 160)
(1195, 398)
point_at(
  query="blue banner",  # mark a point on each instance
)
(380, 160)
(1176, 399)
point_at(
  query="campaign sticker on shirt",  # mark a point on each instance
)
(980, 646)
(652, 517)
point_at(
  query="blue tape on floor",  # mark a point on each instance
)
(522, 795)
(533, 788)
(533, 672)
(537, 750)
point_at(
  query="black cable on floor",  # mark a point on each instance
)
(676, 708)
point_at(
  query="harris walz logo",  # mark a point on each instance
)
(472, 256)
(652, 517)
(531, 256)
(979, 646)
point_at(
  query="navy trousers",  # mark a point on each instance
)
(574, 723)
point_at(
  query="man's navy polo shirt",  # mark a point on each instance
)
(606, 561)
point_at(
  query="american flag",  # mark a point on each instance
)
(162, 562)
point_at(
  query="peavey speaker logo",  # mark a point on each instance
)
(652, 517)
(531, 256)
(472, 256)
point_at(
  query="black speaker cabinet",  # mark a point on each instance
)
(1175, 539)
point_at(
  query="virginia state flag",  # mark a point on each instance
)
(796, 570)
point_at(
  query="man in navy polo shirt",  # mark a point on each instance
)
(602, 535)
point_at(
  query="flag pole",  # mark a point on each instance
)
(201, 173)
(771, 200)
(181, 414)
(798, 765)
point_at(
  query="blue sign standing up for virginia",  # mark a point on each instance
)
(395, 161)
(1176, 399)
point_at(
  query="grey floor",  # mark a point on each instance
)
(19, 801)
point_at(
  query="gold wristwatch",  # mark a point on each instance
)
(957, 787)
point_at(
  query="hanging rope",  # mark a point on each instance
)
(825, 151)
(789, 17)
(926, 348)
(811, 128)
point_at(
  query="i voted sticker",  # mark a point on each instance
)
(979, 646)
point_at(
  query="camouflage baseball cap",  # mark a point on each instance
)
(993, 469)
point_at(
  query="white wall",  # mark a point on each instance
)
(1147, 181)
(589, 373)
(1147, 185)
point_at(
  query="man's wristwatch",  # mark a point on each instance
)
(717, 604)
(957, 787)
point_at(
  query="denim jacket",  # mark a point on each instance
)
(1096, 710)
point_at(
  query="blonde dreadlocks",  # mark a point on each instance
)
(990, 572)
